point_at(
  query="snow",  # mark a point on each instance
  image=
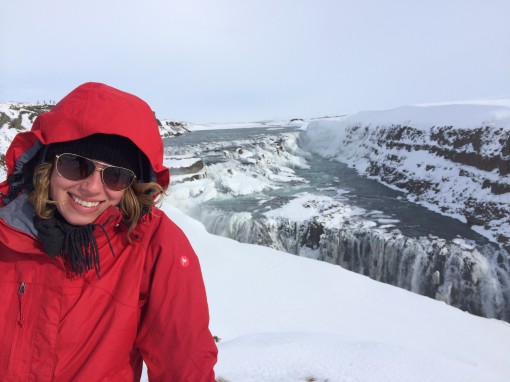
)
(461, 115)
(286, 318)
(306, 206)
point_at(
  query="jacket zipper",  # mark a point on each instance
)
(21, 298)
(17, 230)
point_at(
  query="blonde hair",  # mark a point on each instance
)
(138, 199)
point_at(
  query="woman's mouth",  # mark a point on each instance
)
(84, 203)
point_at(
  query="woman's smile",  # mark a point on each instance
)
(84, 203)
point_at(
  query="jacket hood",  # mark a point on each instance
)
(89, 109)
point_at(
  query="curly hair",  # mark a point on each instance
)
(137, 199)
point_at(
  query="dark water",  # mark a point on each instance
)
(414, 220)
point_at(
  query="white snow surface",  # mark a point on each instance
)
(287, 318)
(462, 115)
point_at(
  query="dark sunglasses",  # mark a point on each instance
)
(77, 168)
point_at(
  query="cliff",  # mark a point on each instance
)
(454, 159)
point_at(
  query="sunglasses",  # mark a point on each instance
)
(77, 168)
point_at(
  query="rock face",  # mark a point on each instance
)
(483, 156)
(21, 116)
(16, 117)
(191, 167)
(169, 128)
(463, 172)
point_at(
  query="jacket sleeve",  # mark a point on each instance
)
(173, 335)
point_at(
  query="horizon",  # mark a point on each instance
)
(495, 102)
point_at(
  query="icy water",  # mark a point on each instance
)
(394, 241)
(327, 177)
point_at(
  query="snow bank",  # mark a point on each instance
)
(461, 115)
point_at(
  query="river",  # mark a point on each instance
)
(437, 256)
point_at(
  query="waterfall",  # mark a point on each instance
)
(469, 278)
(473, 278)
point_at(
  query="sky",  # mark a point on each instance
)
(252, 60)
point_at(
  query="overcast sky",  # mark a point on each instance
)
(246, 60)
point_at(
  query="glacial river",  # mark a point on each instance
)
(326, 177)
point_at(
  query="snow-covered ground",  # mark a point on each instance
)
(286, 318)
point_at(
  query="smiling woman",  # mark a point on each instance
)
(92, 272)
(81, 188)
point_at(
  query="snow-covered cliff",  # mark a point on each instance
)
(14, 118)
(454, 159)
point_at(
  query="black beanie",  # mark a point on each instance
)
(111, 149)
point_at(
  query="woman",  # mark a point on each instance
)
(94, 278)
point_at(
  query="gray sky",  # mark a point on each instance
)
(246, 60)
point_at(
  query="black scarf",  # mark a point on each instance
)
(76, 244)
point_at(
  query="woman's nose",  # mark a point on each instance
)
(93, 183)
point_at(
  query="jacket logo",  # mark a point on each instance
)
(184, 261)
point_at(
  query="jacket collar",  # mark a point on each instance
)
(19, 214)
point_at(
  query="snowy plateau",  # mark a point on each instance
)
(281, 317)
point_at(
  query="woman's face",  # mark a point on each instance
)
(82, 202)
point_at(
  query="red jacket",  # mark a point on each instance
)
(150, 302)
